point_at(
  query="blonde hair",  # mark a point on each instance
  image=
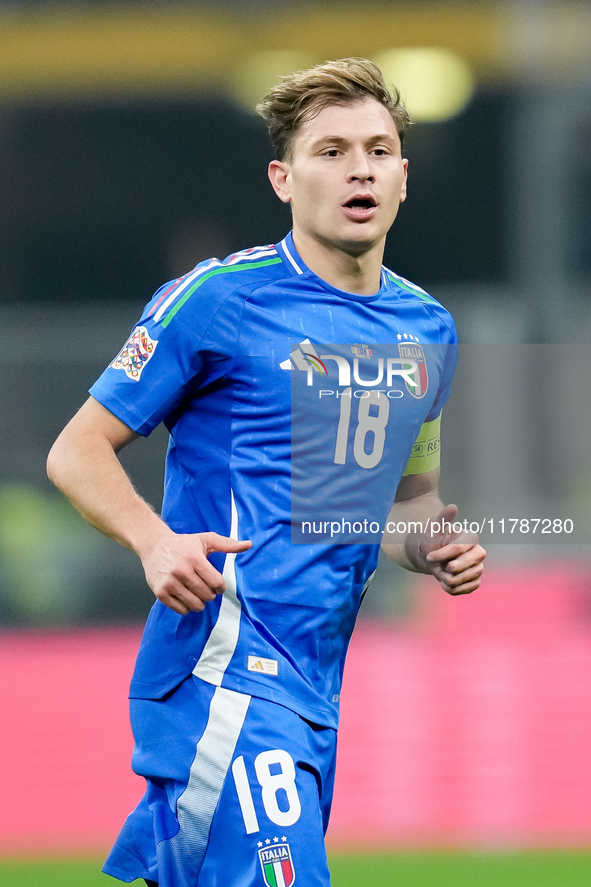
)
(303, 94)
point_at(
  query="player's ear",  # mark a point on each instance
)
(403, 191)
(279, 178)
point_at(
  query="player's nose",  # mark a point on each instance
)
(360, 168)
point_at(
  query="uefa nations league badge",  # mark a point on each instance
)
(135, 354)
(277, 865)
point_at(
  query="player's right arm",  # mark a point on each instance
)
(84, 465)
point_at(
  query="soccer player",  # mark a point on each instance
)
(235, 694)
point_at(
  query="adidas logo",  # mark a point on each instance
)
(263, 666)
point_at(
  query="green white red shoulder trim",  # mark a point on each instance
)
(410, 287)
(177, 294)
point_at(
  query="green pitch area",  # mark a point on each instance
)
(551, 869)
(556, 869)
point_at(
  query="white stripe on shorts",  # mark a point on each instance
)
(213, 756)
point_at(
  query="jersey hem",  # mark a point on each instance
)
(123, 876)
(322, 717)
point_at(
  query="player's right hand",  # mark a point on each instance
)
(456, 559)
(178, 570)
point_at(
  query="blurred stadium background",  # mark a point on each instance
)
(128, 152)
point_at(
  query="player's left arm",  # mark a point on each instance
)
(422, 538)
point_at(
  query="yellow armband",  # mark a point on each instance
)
(424, 455)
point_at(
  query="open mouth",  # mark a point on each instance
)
(360, 203)
(361, 208)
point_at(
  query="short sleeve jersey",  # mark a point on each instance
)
(214, 357)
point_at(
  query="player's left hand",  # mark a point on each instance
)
(455, 559)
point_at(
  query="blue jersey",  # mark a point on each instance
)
(247, 361)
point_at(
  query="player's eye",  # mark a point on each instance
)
(332, 152)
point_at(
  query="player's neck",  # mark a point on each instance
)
(360, 274)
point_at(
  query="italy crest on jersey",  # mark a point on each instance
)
(135, 354)
(420, 377)
(277, 865)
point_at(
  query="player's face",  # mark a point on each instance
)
(345, 178)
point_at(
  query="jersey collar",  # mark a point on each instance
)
(296, 266)
(290, 256)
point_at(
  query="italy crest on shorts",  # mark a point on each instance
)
(135, 354)
(412, 351)
(277, 865)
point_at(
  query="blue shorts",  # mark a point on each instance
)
(238, 793)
